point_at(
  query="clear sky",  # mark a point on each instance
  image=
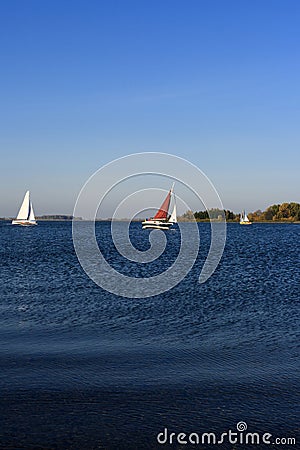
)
(213, 81)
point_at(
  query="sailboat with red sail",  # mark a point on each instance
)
(162, 220)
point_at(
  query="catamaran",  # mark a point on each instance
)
(244, 219)
(25, 215)
(162, 220)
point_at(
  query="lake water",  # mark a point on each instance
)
(84, 369)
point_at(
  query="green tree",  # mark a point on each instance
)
(201, 215)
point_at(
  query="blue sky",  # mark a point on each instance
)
(215, 82)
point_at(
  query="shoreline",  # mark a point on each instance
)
(4, 219)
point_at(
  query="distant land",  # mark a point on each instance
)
(50, 217)
(284, 212)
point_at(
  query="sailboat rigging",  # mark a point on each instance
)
(25, 215)
(162, 220)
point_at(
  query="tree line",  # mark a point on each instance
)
(284, 212)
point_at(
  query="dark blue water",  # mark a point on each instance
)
(84, 369)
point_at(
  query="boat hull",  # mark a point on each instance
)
(156, 225)
(245, 223)
(24, 223)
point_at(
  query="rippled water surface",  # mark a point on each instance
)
(82, 368)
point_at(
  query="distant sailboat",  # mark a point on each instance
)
(25, 215)
(244, 219)
(162, 220)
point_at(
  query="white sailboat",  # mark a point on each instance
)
(244, 220)
(25, 215)
(162, 220)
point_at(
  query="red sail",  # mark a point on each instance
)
(162, 213)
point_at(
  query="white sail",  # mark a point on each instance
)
(23, 213)
(246, 218)
(173, 217)
(31, 215)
